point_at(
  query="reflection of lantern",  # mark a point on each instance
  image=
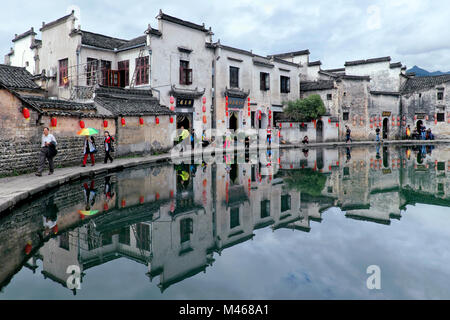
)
(157, 120)
(204, 119)
(280, 124)
(124, 203)
(105, 206)
(204, 108)
(26, 113)
(28, 248)
(171, 193)
(290, 125)
(259, 114)
(172, 100)
(337, 124)
(204, 100)
(122, 121)
(105, 123)
(171, 119)
(329, 120)
(53, 122)
(157, 196)
(141, 199)
(141, 121)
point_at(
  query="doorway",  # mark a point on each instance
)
(233, 121)
(319, 131)
(183, 121)
(385, 128)
(419, 125)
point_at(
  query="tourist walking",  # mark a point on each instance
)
(48, 152)
(348, 133)
(408, 132)
(89, 149)
(377, 131)
(305, 140)
(108, 146)
(183, 138)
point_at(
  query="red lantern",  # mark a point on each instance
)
(105, 123)
(124, 203)
(157, 120)
(141, 121)
(337, 124)
(81, 124)
(171, 119)
(249, 114)
(172, 108)
(290, 125)
(105, 206)
(204, 100)
(123, 122)
(172, 100)
(204, 108)
(204, 119)
(157, 196)
(280, 125)
(171, 193)
(28, 248)
(329, 120)
(26, 113)
(426, 117)
(53, 122)
(226, 114)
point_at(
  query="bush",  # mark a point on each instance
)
(306, 109)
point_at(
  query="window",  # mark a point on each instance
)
(142, 67)
(285, 202)
(345, 116)
(440, 95)
(64, 241)
(186, 229)
(329, 96)
(106, 238)
(105, 67)
(124, 236)
(285, 84)
(185, 73)
(330, 189)
(441, 166)
(234, 77)
(441, 117)
(63, 72)
(346, 171)
(124, 71)
(265, 208)
(143, 236)
(440, 188)
(91, 72)
(264, 81)
(234, 218)
(303, 127)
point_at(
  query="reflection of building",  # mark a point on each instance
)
(174, 222)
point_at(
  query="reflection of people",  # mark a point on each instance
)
(50, 216)
(408, 132)
(305, 152)
(349, 155)
(184, 178)
(108, 188)
(378, 156)
(89, 195)
(48, 151)
(377, 131)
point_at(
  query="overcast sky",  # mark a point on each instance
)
(414, 32)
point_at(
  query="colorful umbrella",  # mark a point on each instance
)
(87, 132)
(87, 213)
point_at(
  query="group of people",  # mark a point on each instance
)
(49, 151)
(184, 138)
(420, 133)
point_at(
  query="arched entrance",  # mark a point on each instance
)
(233, 121)
(183, 121)
(319, 131)
(385, 128)
(419, 124)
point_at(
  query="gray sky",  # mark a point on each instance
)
(335, 31)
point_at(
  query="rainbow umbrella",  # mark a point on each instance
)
(87, 132)
(87, 213)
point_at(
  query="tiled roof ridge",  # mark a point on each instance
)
(23, 35)
(52, 23)
(185, 23)
(367, 61)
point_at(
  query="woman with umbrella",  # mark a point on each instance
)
(89, 145)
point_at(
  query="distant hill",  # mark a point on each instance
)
(424, 73)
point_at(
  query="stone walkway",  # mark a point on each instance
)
(16, 189)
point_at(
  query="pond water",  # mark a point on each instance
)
(338, 223)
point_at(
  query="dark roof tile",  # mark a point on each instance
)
(291, 54)
(60, 105)
(62, 19)
(316, 85)
(185, 23)
(25, 34)
(101, 41)
(374, 60)
(16, 78)
(424, 83)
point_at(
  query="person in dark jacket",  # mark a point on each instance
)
(48, 151)
(108, 146)
(89, 149)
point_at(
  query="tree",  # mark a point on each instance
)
(306, 109)
(307, 181)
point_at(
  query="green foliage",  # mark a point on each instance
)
(306, 109)
(306, 181)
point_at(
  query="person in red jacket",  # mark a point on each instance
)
(108, 146)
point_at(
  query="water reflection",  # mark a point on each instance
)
(176, 219)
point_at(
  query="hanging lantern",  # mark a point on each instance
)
(398, 123)
(290, 125)
(172, 99)
(204, 108)
(204, 100)
(426, 117)
(53, 122)
(105, 123)
(28, 248)
(141, 121)
(172, 108)
(123, 203)
(280, 125)
(415, 117)
(371, 126)
(249, 114)
(122, 121)
(204, 119)
(337, 124)
(105, 206)
(379, 124)
(157, 196)
(259, 114)
(26, 113)
(379, 118)
(171, 119)
(329, 120)
(156, 120)
(226, 114)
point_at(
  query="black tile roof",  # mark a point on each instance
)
(374, 60)
(139, 41)
(385, 93)
(424, 83)
(37, 43)
(314, 63)
(58, 105)
(62, 19)
(25, 34)
(186, 93)
(316, 85)
(395, 65)
(16, 78)
(291, 54)
(185, 23)
(129, 102)
(101, 41)
(261, 61)
(335, 70)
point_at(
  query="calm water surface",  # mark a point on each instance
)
(305, 225)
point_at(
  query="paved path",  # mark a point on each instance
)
(18, 188)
